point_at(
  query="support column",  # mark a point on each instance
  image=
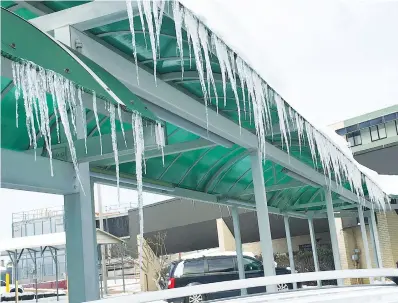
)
(333, 232)
(80, 229)
(238, 245)
(375, 239)
(262, 217)
(364, 239)
(81, 243)
(313, 246)
(290, 248)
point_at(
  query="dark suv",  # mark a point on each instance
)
(211, 269)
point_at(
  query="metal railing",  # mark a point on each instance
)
(253, 282)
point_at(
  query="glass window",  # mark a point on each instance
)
(2, 283)
(59, 225)
(251, 264)
(38, 228)
(382, 131)
(46, 227)
(378, 132)
(354, 138)
(16, 231)
(376, 121)
(193, 267)
(396, 126)
(30, 229)
(221, 264)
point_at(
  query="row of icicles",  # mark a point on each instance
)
(202, 45)
(34, 82)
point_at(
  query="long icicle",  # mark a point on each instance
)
(114, 147)
(139, 160)
(96, 118)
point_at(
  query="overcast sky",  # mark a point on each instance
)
(331, 60)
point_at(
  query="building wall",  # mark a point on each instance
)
(280, 245)
(351, 238)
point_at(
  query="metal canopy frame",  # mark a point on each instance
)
(181, 109)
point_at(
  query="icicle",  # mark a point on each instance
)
(140, 12)
(149, 20)
(119, 113)
(15, 78)
(192, 26)
(283, 121)
(60, 95)
(204, 41)
(139, 161)
(221, 58)
(114, 147)
(96, 118)
(82, 116)
(50, 83)
(130, 14)
(159, 137)
(178, 19)
(158, 15)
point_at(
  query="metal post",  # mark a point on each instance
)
(102, 247)
(364, 239)
(35, 264)
(81, 241)
(375, 235)
(314, 249)
(238, 245)
(333, 232)
(262, 217)
(373, 243)
(56, 271)
(122, 259)
(290, 248)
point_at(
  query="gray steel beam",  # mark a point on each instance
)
(333, 232)
(238, 246)
(37, 177)
(80, 230)
(263, 217)
(84, 16)
(154, 153)
(5, 91)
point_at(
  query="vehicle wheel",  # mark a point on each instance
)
(282, 287)
(195, 298)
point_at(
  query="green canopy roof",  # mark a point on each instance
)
(221, 171)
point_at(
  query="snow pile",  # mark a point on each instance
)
(260, 97)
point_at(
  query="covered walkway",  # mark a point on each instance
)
(97, 87)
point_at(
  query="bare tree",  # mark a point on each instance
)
(156, 256)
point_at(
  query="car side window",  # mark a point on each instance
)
(251, 264)
(194, 267)
(221, 264)
(3, 283)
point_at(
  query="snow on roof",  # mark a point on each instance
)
(54, 239)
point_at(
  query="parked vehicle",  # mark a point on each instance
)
(211, 269)
(12, 287)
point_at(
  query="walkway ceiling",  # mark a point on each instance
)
(223, 172)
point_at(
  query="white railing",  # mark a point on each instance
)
(253, 282)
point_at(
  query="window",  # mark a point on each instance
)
(396, 126)
(3, 283)
(221, 264)
(354, 138)
(251, 264)
(378, 132)
(194, 267)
